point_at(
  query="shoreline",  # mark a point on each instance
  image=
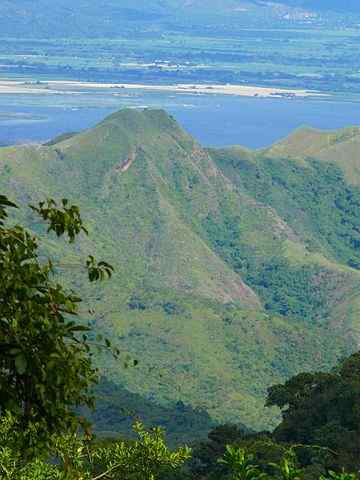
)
(57, 87)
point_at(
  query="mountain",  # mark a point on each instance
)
(27, 18)
(340, 147)
(235, 269)
(110, 18)
(348, 7)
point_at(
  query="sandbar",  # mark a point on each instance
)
(63, 86)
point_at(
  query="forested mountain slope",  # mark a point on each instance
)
(234, 268)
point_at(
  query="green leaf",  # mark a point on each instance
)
(21, 364)
(79, 328)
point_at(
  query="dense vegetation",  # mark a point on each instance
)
(328, 206)
(227, 277)
(319, 432)
(322, 409)
(46, 367)
(46, 370)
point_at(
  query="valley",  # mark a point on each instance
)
(235, 269)
(179, 240)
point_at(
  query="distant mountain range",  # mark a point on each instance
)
(109, 18)
(347, 6)
(234, 268)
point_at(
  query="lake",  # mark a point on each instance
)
(215, 120)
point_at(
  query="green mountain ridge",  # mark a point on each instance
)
(339, 147)
(235, 269)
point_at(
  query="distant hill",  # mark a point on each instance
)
(347, 6)
(110, 18)
(340, 147)
(65, 18)
(235, 269)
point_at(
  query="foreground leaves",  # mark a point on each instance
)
(146, 458)
(45, 366)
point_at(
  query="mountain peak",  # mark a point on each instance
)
(220, 257)
(127, 126)
(146, 118)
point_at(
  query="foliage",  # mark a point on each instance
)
(339, 476)
(77, 458)
(317, 438)
(261, 456)
(207, 452)
(241, 464)
(117, 408)
(287, 469)
(201, 335)
(145, 459)
(322, 409)
(45, 365)
(314, 191)
(61, 220)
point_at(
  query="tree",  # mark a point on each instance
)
(241, 464)
(45, 357)
(207, 452)
(322, 409)
(146, 458)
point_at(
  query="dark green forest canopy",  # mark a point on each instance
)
(322, 409)
(319, 429)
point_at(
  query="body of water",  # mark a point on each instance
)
(215, 120)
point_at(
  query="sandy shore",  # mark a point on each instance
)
(62, 87)
(14, 87)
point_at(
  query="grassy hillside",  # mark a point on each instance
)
(340, 147)
(234, 269)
